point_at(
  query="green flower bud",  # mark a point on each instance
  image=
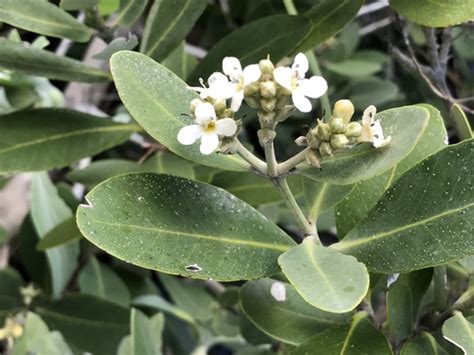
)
(353, 129)
(266, 66)
(268, 89)
(325, 149)
(266, 136)
(323, 131)
(227, 113)
(252, 102)
(252, 89)
(219, 106)
(343, 109)
(312, 158)
(268, 105)
(312, 138)
(339, 141)
(193, 104)
(337, 125)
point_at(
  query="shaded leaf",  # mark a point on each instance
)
(64, 233)
(72, 5)
(146, 333)
(118, 44)
(130, 11)
(11, 300)
(422, 345)
(460, 331)
(160, 304)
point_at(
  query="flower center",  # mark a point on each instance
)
(209, 127)
(294, 82)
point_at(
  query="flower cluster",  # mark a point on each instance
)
(340, 133)
(262, 86)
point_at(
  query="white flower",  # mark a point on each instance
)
(239, 78)
(219, 87)
(278, 291)
(208, 128)
(294, 80)
(372, 129)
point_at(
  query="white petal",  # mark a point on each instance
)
(226, 127)
(204, 112)
(278, 291)
(314, 87)
(300, 65)
(251, 74)
(377, 135)
(219, 86)
(189, 134)
(237, 100)
(369, 114)
(301, 102)
(231, 66)
(203, 92)
(209, 143)
(283, 76)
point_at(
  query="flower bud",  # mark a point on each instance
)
(193, 104)
(337, 125)
(353, 129)
(16, 330)
(219, 106)
(266, 66)
(252, 102)
(343, 109)
(312, 158)
(268, 89)
(301, 141)
(323, 131)
(227, 113)
(268, 105)
(282, 91)
(313, 140)
(266, 118)
(339, 141)
(325, 149)
(266, 136)
(251, 89)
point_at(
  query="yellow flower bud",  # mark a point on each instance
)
(266, 66)
(16, 330)
(353, 129)
(312, 158)
(323, 131)
(343, 109)
(325, 149)
(339, 141)
(337, 125)
(251, 89)
(268, 89)
(268, 105)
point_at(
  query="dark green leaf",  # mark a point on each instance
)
(218, 228)
(64, 233)
(11, 300)
(180, 62)
(160, 304)
(364, 92)
(42, 139)
(422, 345)
(130, 11)
(362, 63)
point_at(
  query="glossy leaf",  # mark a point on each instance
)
(160, 304)
(432, 13)
(404, 298)
(40, 62)
(87, 322)
(462, 123)
(361, 337)
(217, 229)
(48, 210)
(44, 18)
(278, 36)
(101, 281)
(130, 11)
(157, 99)
(405, 125)
(61, 136)
(422, 345)
(460, 331)
(326, 279)
(72, 5)
(328, 17)
(425, 219)
(351, 211)
(146, 333)
(64, 233)
(291, 321)
(11, 300)
(167, 25)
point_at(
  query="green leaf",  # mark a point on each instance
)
(106, 7)
(433, 13)
(422, 345)
(364, 92)
(160, 304)
(73, 5)
(44, 18)
(460, 331)
(130, 11)
(146, 333)
(43, 139)
(277, 37)
(462, 123)
(404, 298)
(100, 280)
(64, 233)
(217, 228)
(118, 44)
(87, 323)
(11, 300)
(362, 63)
(418, 205)
(3, 236)
(157, 99)
(405, 125)
(167, 25)
(291, 321)
(326, 279)
(359, 338)
(180, 62)
(48, 210)
(328, 17)
(39, 62)
(351, 211)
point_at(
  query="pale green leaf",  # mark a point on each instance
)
(291, 321)
(326, 279)
(72, 5)
(362, 63)
(160, 304)
(200, 227)
(462, 123)
(158, 100)
(130, 11)
(460, 331)
(167, 25)
(425, 219)
(118, 44)
(42, 139)
(44, 18)
(146, 333)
